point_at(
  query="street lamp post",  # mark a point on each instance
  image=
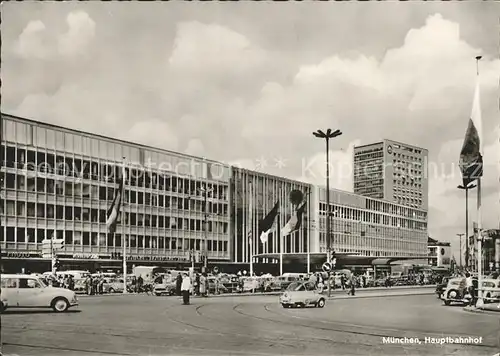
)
(467, 252)
(327, 136)
(460, 237)
(205, 192)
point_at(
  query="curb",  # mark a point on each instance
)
(481, 311)
(378, 295)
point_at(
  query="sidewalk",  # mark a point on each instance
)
(339, 293)
(491, 308)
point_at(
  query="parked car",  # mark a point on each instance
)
(167, 287)
(442, 286)
(113, 285)
(27, 291)
(301, 294)
(491, 290)
(455, 291)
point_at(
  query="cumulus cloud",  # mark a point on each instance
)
(195, 147)
(141, 132)
(341, 168)
(31, 41)
(81, 31)
(37, 43)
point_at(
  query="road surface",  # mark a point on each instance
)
(258, 325)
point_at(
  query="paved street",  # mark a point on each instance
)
(147, 325)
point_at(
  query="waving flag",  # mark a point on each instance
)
(471, 155)
(295, 221)
(266, 224)
(114, 209)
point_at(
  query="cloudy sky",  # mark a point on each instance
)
(247, 83)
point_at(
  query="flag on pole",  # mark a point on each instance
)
(471, 155)
(266, 224)
(295, 221)
(114, 209)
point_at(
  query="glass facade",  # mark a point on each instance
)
(370, 227)
(59, 182)
(260, 192)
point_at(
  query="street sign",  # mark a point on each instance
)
(327, 267)
(58, 244)
(216, 269)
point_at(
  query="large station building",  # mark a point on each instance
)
(58, 182)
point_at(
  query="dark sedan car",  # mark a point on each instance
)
(440, 287)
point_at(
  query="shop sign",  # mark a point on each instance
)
(155, 258)
(21, 254)
(86, 256)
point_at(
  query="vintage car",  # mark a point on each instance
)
(491, 290)
(301, 294)
(167, 287)
(251, 284)
(441, 287)
(27, 291)
(113, 285)
(455, 291)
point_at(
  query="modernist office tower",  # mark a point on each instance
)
(392, 171)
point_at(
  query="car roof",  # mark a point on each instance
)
(18, 276)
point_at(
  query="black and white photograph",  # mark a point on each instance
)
(250, 178)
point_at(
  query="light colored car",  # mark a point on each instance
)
(113, 285)
(302, 294)
(27, 291)
(491, 290)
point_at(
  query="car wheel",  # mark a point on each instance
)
(299, 305)
(488, 300)
(447, 302)
(60, 305)
(2, 308)
(286, 306)
(157, 294)
(111, 290)
(321, 303)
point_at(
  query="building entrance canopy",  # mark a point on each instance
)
(342, 258)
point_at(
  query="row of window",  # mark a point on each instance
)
(79, 238)
(66, 166)
(395, 209)
(35, 134)
(380, 243)
(69, 213)
(370, 217)
(85, 190)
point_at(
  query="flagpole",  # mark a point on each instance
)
(250, 214)
(308, 231)
(479, 216)
(280, 234)
(124, 242)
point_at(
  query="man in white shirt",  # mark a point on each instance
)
(185, 288)
(470, 287)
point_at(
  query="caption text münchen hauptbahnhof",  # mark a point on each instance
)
(433, 340)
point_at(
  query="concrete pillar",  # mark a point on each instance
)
(497, 254)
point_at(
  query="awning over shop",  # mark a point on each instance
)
(342, 258)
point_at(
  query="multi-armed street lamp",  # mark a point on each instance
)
(327, 136)
(467, 252)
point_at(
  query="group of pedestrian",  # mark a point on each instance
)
(61, 281)
(94, 285)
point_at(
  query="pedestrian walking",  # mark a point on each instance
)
(178, 283)
(352, 291)
(342, 281)
(203, 285)
(185, 288)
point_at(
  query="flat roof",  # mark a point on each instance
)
(112, 139)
